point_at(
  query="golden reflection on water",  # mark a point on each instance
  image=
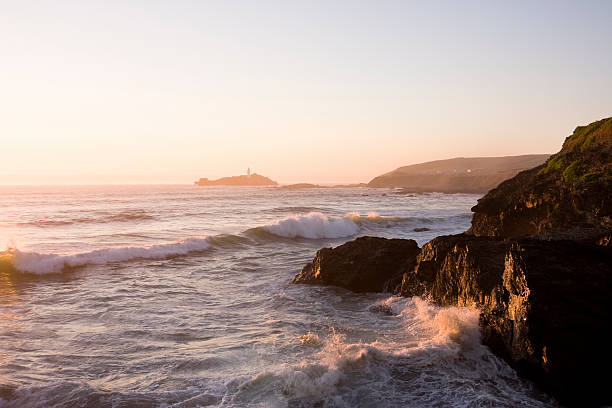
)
(9, 297)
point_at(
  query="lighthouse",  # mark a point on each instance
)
(249, 172)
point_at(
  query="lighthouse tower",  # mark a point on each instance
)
(249, 172)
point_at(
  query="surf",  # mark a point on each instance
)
(44, 264)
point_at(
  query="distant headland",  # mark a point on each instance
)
(459, 175)
(249, 179)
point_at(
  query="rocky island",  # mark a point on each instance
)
(537, 263)
(243, 180)
(458, 175)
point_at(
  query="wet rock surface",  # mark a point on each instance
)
(545, 305)
(537, 262)
(568, 197)
(367, 264)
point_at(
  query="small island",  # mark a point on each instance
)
(248, 179)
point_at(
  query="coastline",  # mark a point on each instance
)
(535, 262)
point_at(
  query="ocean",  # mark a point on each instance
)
(180, 296)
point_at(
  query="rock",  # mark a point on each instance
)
(568, 197)
(545, 305)
(423, 229)
(367, 264)
(456, 269)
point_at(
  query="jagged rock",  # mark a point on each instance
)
(568, 197)
(456, 269)
(545, 305)
(367, 264)
(537, 262)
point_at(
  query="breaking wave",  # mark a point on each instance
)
(42, 264)
(313, 225)
(428, 356)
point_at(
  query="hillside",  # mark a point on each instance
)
(458, 175)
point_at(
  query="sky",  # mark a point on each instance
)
(299, 91)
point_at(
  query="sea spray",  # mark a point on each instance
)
(423, 355)
(313, 225)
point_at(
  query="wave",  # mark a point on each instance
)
(95, 218)
(313, 225)
(429, 356)
(295, 210)
(42, 264)
(374, 217)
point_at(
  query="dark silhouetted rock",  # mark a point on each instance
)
(568, 197)
(423, 229)
(545, 305)
(367, 264)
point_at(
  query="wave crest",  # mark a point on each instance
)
(313, 225)
(42, 264)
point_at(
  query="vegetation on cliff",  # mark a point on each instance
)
(537, 262)
(568, 197)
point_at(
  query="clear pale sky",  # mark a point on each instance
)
(313, 91)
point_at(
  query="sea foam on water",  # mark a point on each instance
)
(313, 225)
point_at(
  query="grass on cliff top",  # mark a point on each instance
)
(572, 171)
(554, 164)
(584, 136)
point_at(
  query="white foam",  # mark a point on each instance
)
(33, 262)
(313, 225)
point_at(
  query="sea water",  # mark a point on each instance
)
(180, 296)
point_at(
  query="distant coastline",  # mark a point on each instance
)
(467, 175)
(458, 175)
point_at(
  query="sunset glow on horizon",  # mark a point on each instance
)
(98, 92)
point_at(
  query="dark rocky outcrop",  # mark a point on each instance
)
(367, 264)
(545, 306)
(568, 197)
(537, 262)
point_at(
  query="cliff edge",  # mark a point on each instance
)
(537, 262)
(568, 197)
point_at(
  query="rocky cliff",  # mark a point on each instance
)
(568, 197)
(537, 262)
(545, 305)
